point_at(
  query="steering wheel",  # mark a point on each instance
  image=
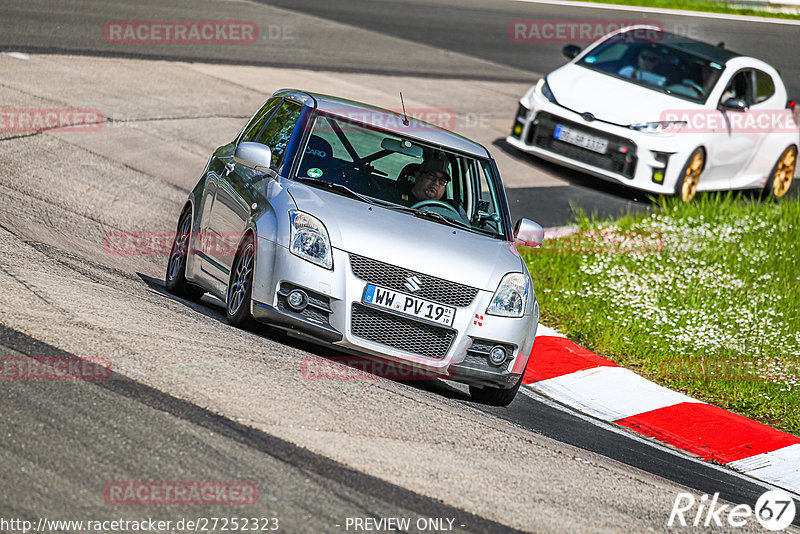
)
(692, 85)
(423, 203)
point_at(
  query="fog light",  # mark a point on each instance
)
(498, 355)
(297, 300)
(658, 176)
(517, 129)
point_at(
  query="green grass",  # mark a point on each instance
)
(703, 298)
(700, 5)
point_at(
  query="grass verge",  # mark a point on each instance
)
(702, 297)
(699, 5)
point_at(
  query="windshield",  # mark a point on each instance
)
(402, 173)
(654, 65)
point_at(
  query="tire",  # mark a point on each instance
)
(686, 186)
(240, 286)
(175, 278)
(495, 396)
(781, 177)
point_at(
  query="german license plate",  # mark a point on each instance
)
(574, 137)
(388, 299)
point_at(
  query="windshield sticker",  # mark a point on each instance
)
(715, 66)
(590, 59)
(314, 172)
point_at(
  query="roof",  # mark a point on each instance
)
(686, 44)
(390, 121)
(707, 51)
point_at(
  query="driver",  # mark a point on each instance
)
(430, 181)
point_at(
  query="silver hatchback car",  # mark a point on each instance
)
(369, 231)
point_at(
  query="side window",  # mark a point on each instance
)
(277, 132)
(739, 87)
(261, 118)
(765, 87)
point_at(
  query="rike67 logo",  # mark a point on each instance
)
(774, 510)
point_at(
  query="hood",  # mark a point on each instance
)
(408, 242)
(611, 99)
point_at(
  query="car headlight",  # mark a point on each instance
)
(659, 126)
(544, 89)
(309, 239)
(511, 296)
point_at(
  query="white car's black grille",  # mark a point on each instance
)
(393, 277)
(401, 333)
(620, 158)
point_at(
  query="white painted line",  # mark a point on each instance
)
(781, 467)
(18, 55)
(543, 330)
(662, 11)
(628, 433)
(609, 393)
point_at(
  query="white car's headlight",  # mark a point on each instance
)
(511, 296)
(659, 126)
(543, 88)
(309, 239)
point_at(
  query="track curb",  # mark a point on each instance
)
(591, 384)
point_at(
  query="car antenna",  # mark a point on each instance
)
(721, 44)
(405, 117)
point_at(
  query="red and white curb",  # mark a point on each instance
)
(588, 383)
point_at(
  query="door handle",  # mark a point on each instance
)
(229, 167)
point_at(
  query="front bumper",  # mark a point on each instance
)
(651, 162)
(341, 319)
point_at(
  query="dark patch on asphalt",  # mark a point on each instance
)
(288, 453)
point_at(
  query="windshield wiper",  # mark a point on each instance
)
(432, 216)
(336, 187)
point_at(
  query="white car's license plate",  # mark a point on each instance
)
(408, 305)
(574, 137)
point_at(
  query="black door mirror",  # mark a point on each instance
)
(570, 51)
(734, 104)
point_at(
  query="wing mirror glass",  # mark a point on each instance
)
(528, 233)
(734, 104)
(254, 155)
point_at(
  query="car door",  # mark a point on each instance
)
(241, 187)
(733, 143)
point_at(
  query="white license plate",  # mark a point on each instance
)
(409, 305)
(574, 137)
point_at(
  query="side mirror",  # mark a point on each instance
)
(734, 104)
(570, 51)
(528, 233)
(254, 155)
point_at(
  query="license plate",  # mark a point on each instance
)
(409, 305)
(574, 137)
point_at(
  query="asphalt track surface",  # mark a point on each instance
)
(52, 438)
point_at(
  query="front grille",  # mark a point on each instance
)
(401, 333)
(432, 288)
(620, 157)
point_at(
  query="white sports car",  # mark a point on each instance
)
(663, 113)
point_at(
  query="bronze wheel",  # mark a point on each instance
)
(686, 186)
(783, 172)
